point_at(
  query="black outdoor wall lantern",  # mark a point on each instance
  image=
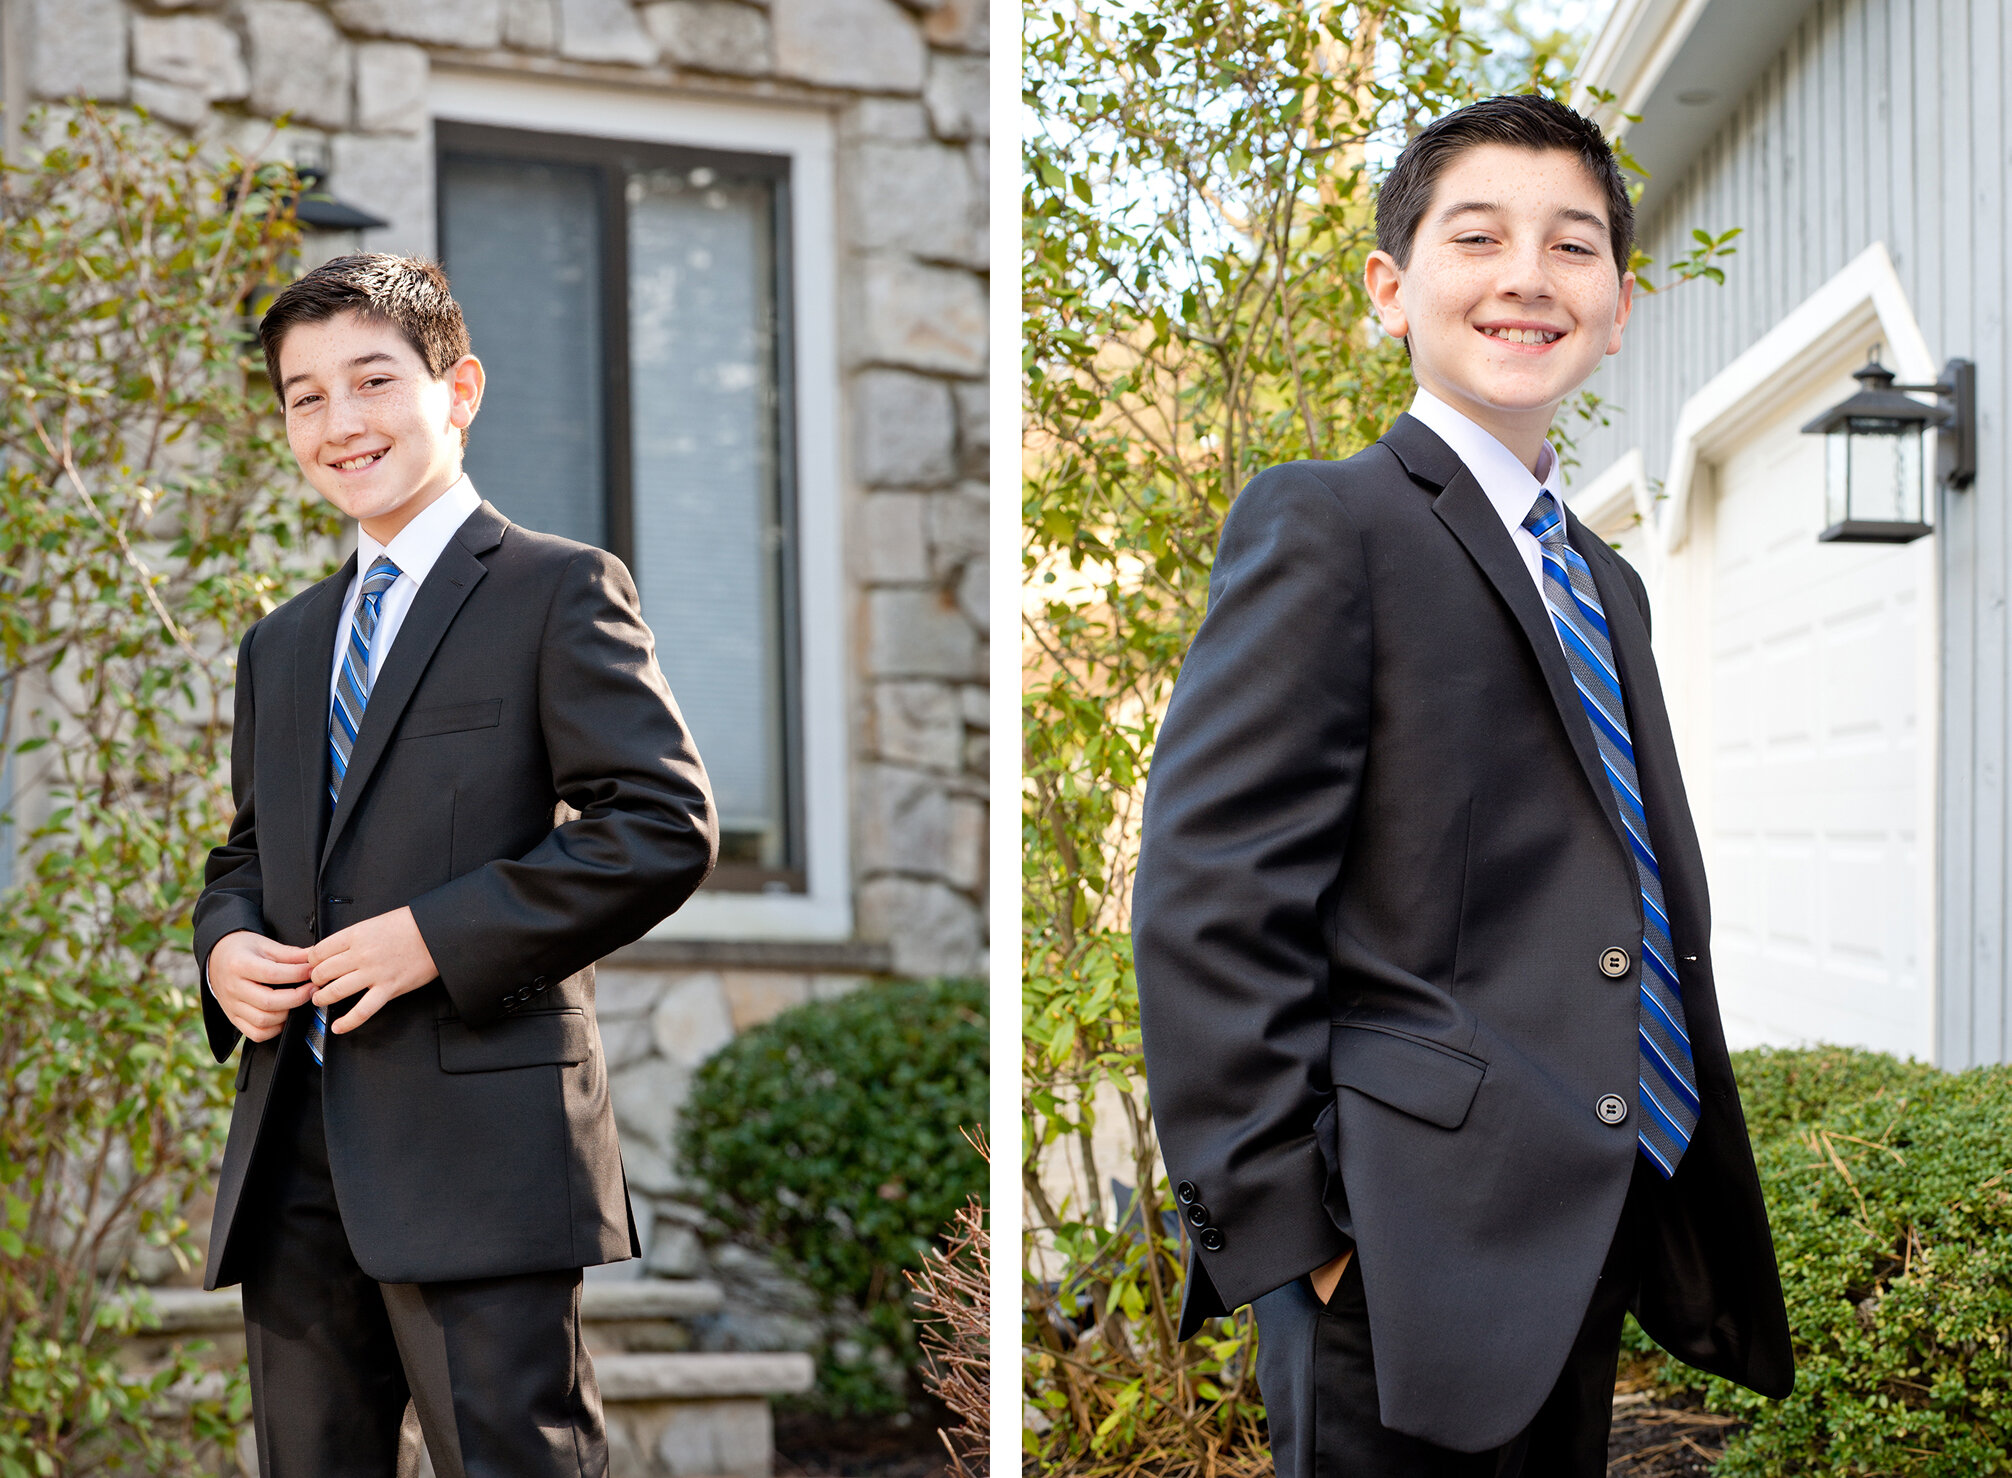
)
(320, 211)
(316, 209)
(1876, 484)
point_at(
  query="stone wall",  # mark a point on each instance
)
(906, 84)
(664, 1009)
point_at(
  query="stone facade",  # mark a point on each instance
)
(664, 1009)
(905, 84)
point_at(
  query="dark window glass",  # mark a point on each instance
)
(626, 302)
(524, 241)
(708, 527)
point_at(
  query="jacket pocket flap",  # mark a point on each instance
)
(451, 718)
(1411, 1074)
(536, 1037)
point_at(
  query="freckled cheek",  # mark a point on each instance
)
(1593, 301)
(1452, 297)
(395, 418)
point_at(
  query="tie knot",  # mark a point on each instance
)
(383, 574)
(1543, 519)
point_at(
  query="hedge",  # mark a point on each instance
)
(833, 1138)
(1889, 1187)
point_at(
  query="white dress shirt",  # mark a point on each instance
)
(414, 549)
(1508, 483)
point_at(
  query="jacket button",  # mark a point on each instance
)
(1198, 1215)
(1186, 1193)
(1612, 1109)
(1614, 962)
(310, 921)
(1211, 1239)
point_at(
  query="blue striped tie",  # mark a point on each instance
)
(1669, 1082)
(345, 718)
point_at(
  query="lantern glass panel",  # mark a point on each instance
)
(1885, 469)
(1836, 477)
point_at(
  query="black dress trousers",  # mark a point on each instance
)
(1316, 1370)
(496, 1367)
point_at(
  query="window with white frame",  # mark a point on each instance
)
(787, 152)
(630, 303)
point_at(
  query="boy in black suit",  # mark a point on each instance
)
(1420, 918)
(422, 1156)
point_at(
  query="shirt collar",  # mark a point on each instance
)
(1508, 483)
(417, 547)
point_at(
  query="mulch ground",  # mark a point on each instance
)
(817, 1447)
(1662, 1438)
(1651, 1438)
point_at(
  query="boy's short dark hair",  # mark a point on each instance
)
(1521, 120)
(408, 293)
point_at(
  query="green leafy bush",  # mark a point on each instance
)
(1889, 1186)
(1786, 1091)
(1198, 197)
(149, 513)
(832, 1137)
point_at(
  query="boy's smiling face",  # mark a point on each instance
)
(1512, 295)
(375, 433)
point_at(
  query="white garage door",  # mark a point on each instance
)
(1820, 792)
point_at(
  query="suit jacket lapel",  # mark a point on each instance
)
(1464, 508)
(314, 669)
(453, 576)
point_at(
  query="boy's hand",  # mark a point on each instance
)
(257, 981)
(383, 957)
(1327, 1278)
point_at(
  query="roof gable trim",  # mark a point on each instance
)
(1775, 370)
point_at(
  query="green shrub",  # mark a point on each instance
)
(830, 1137)
(1889, 1186)
(149, 512)
(1788, 1090)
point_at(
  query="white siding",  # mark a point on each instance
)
(1882, 120)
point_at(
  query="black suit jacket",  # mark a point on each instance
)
(1380, 865)
(469, 1128)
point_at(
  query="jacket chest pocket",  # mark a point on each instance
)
(452, 718)
(1413, 1074)
(531, 1039)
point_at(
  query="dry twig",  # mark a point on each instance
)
(953, 1293)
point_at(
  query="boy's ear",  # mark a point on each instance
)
(464, 390)
(1622, 309)
(1384, 279)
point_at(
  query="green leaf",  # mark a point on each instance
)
(123, 285)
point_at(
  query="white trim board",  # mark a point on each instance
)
(1865, 294)
(1623, 487)
(1634, 47)
(806, 137)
